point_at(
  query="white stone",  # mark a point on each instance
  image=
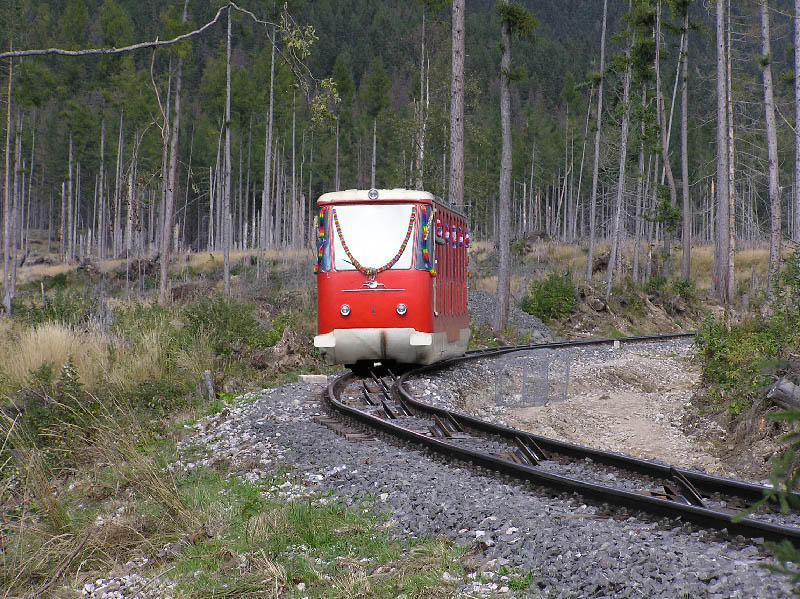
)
(314, 379)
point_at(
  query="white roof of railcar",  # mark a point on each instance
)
(360, 195)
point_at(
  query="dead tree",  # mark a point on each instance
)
(596, 163)
(456, 186)
(772, 152)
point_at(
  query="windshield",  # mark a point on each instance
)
(373, 235)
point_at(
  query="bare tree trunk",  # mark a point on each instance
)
(101, 229)
(70, 215)
(421, 112)
(278, 165)
(16, 201)
(266, 208)
(6, 194)
(336, 177)
(796, 24)
(245, 240)
(50, 224)
(117, 233)
(640, 193)
(310, 194)
(596, 164)
(130, 215)
(686, 229)
(30, 180)
(374, 150)
(239, 229)
(226, 210)
(567, 167)
(533, 155)
(62, 228)
(722, 241)
(504, 241)
(165, 134)
(457, 106)
(731, 168)
(169, 199)
(578, 207)
(623, 159)
(772, 153)
(294, 171)
(662, 120)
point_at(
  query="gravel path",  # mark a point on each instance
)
(572, 548)
(632, 399)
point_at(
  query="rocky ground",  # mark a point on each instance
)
(635, 399)
(573, 549)
(482, 310)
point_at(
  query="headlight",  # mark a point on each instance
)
(344, 310)
(401, 309)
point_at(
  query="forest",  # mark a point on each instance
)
(626, 167)
(97, 146)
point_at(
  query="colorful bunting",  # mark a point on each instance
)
(371, 272)
(426, 256)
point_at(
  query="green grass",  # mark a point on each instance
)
(263, 543)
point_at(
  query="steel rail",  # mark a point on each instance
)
(706, 517)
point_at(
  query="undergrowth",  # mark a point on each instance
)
(95, 393)
(553, 298)
(740, 363)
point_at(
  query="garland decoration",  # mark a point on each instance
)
(426, 255)
(371, 272)
(322, 241)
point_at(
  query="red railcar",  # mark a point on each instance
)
(391, 277)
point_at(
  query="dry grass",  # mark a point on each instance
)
(142, 361)
(50, 538)
(209, 260)
(57, 344)
(572, 257)
(197, 357)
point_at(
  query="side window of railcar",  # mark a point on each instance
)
(426, 239)
(323, 241)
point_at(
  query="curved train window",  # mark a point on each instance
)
(372, 235)
(323, 241)
(426, 238)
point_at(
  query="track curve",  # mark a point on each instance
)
(393, 410)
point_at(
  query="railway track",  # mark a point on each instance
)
(382, 402)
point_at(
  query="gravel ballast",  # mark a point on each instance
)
(571, 547)
(483, 308)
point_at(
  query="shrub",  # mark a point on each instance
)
(655, 284)
(552, 298)
(229, 324)
(65, 307)
(685, 289)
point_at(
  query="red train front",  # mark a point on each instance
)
(391, 278)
